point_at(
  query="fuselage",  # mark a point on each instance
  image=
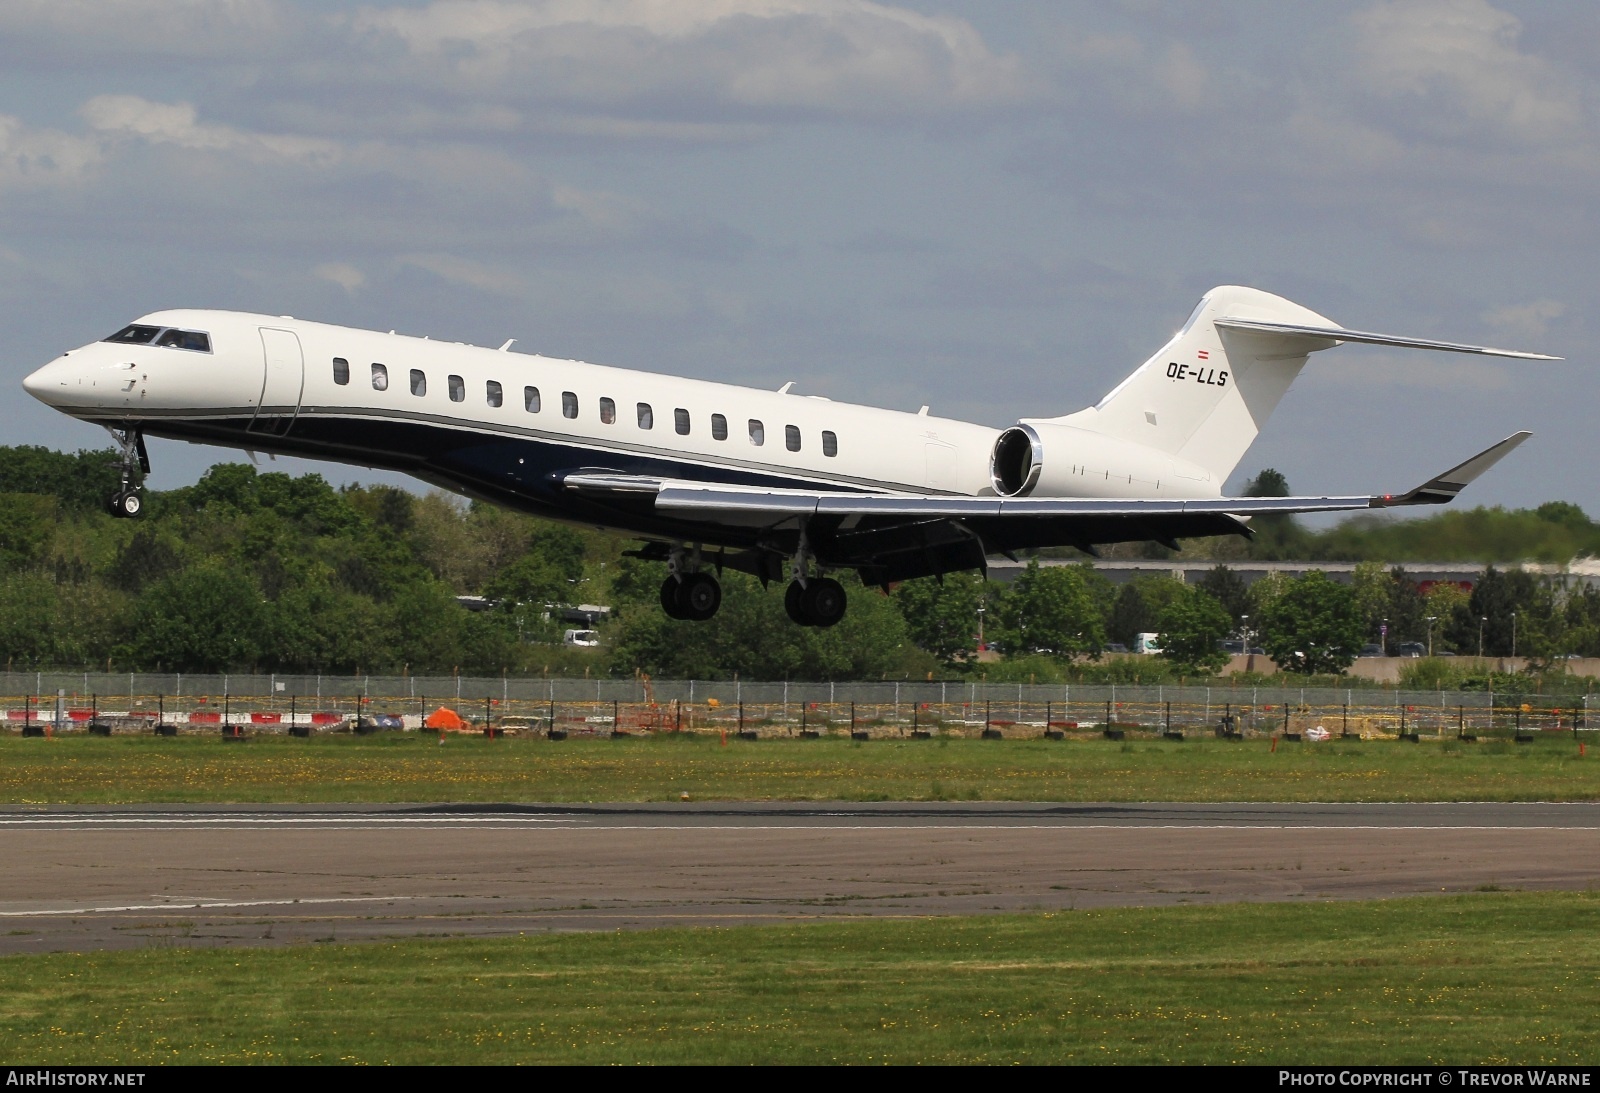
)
(507, 426)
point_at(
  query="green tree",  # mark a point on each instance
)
(1192, 626)
(82, 483)
(1314, 627)
(1051, 609)
(942, 616)
(752, 638)
(27, 525)
(1130, 615)
(206, 619)
(1277, 535)
(1228, 589)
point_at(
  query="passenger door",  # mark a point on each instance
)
(282, 381)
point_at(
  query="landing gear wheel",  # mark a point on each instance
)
(672, 598)
(794, 602)
(699, 596)
(825, 601)
(127, 504)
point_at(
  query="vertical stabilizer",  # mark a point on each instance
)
(1206, 394)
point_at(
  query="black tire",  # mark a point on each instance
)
(672, 598)
(699, 596)
(794, 602)
(825, 601)
(130, 504)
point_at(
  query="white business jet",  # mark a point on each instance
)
(711, 475)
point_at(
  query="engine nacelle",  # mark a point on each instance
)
(1049, 459)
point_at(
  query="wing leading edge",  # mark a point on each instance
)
(891, 537)
(743, 502)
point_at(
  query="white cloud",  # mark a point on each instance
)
(142, 29)
(343, 274)
(44, 158)
(1457, 66)
(128, 116)
(1530, 320)
(673, 59)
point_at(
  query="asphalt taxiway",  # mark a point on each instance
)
(94, 878)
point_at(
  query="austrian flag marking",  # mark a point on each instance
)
(1205, 354)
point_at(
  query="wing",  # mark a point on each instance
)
(894, 536)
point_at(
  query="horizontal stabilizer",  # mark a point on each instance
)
(1337, 334)
(1444, 487)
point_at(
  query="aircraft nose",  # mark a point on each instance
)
(42, 383)
(37, 383)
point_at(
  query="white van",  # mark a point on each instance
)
(586, 638)
(1146, 643)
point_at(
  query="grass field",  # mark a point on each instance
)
(1485, 978)
(413, 767)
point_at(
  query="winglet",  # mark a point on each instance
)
(1444, 487)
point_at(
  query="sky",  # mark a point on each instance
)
(999, 209)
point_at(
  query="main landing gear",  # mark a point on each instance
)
(812, 601)
(820, 601)
(692, 596)
(688, 593)
(128, 501)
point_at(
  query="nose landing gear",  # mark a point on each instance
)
(128, 502)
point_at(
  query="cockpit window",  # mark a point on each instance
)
(135, 335)
(185, 339)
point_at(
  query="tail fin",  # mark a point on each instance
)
(1206, 394)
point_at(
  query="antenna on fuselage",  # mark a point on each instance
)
(509, 342)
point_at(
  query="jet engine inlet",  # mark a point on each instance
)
(1018, 458)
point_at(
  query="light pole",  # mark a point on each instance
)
(1481, 621)
(1513, 635)
(1244, 632)
(1383, 639)
(1431, 620)
(980, 627)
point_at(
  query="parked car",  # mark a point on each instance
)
(1371, 649)
(1412, 649)
(588, 639)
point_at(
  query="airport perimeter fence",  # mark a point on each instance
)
(110, 702)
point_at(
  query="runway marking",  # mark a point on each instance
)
(205, 906)
(720, 824)
(244, 821)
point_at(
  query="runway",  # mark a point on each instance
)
(97, 878)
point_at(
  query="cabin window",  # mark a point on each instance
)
(791, 437)
(719, 427)
(647, 416)
(608, 411)
(569, 404)
(419, 382)
(494, 393)
(830, 443)
(135, 335)
(530, 399)
(458, 388)
(758, 433)
(185, 339)
(341, 371)
(680, 421)
(380, 377)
